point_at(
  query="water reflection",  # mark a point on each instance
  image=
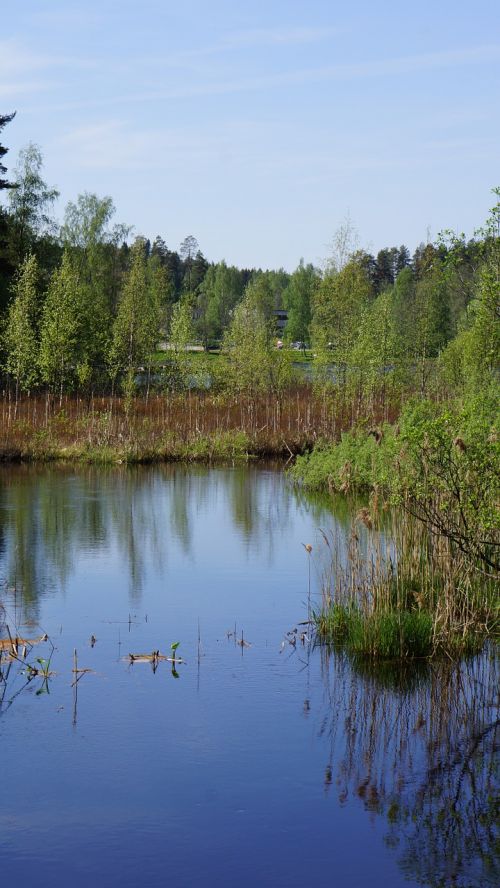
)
(52, 516)
(413, 750)
(419, 748)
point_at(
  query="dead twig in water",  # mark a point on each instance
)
(76, 671)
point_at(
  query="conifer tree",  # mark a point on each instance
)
(5, 266)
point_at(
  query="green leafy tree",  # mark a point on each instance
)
(86, 222)
(221, 290)
(161, 290)
(471, 360)
(429, 325)
(136, 329)
(261, 293)
(373, 356)
(298, 298)
(254, 365)
(338, 306)
(448, 474)
(344, 245)
(181, 336)
(94, 246)
(61, 328)
(482, 346)
(30, 202)
(21, 331)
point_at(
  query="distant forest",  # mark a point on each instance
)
(86, 304)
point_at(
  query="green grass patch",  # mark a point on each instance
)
(387, 635)
(392, 635)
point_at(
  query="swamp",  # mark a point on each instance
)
(167, 715)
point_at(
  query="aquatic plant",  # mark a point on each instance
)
(398, 592)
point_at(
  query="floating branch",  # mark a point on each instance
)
(16, 642)
(242, 643)
(153, 657)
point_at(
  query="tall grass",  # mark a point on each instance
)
(402, 593)
(191, 425)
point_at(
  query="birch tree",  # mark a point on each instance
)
(61, 328)
(21, 331)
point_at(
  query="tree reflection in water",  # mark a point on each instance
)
(52, 515)
(418, 746)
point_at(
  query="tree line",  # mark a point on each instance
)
(85, 305)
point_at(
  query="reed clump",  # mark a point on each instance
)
(389, 635)
(402, 594)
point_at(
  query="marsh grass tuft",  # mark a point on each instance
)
(389, 635)
(399, 593)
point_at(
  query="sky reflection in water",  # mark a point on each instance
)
(257, 765)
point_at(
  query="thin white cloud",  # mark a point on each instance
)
(260, 37)
(113, 144)
(239, 146)
(10, 90)
(257, 38)
(15, 58)
(18, 59)
(66, 18)
(398, 66)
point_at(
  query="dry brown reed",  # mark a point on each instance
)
(164, 426)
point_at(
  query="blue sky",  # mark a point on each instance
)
(259, 126)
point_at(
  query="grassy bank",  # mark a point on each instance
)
(435, 589)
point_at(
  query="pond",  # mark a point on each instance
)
(267, 762)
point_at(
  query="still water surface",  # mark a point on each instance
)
(266, 765)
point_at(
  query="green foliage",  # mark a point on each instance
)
(338, 306)
(86, 221)
(385, 635)
(221, 290)
(481, 347)
(29, 203)
(61, 327)
(254, 364)
(357, 462)
(261, 295)
(137, 322)
(21, 331)
(373, 352)
(92, 246)
(442, 462)
(449, 473)
(183, 366)
(297, 299)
